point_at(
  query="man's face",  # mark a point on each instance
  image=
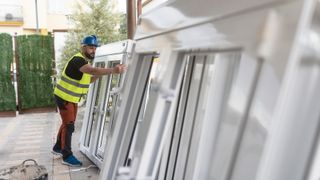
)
(89, 51)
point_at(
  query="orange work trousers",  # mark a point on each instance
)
(68, 114)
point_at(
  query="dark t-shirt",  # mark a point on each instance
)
(73, 67)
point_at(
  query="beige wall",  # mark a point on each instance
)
(29, 15)
(11, 30)
(57, 22)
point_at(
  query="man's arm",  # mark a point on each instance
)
(95, 70)
(98, 71)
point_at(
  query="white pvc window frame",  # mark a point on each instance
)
(118, 53)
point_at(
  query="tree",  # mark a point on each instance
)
(123, 27)
(93, 17)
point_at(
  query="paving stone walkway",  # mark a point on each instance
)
(31, 136)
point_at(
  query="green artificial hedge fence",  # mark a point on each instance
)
(7, 93)
(35, 55)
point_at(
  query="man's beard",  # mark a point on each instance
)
(90, 56)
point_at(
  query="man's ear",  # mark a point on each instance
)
(83, 47)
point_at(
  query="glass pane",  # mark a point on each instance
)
(199, 111)
(256, 130)
(98, 89)
(143, 107)
(231, 118)
(203, 74)
(113, 82)
(189, 122)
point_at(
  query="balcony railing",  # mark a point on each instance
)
(10, 13)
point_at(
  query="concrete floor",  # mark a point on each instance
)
(31, 136)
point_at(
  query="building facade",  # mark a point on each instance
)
(25, 17)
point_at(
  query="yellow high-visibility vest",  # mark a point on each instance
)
(70, 89)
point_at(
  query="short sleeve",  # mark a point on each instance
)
(73, 67)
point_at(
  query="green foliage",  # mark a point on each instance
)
(93, 17)
(35, 67)
(123, 27)
(7, 95)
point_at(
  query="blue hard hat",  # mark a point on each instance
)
(91, 40)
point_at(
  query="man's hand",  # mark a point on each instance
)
(120, 68)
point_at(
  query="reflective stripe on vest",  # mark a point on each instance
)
(70, 89)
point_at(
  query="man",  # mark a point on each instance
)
(74, 83)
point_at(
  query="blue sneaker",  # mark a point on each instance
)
(57, 152)
(72, 161)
